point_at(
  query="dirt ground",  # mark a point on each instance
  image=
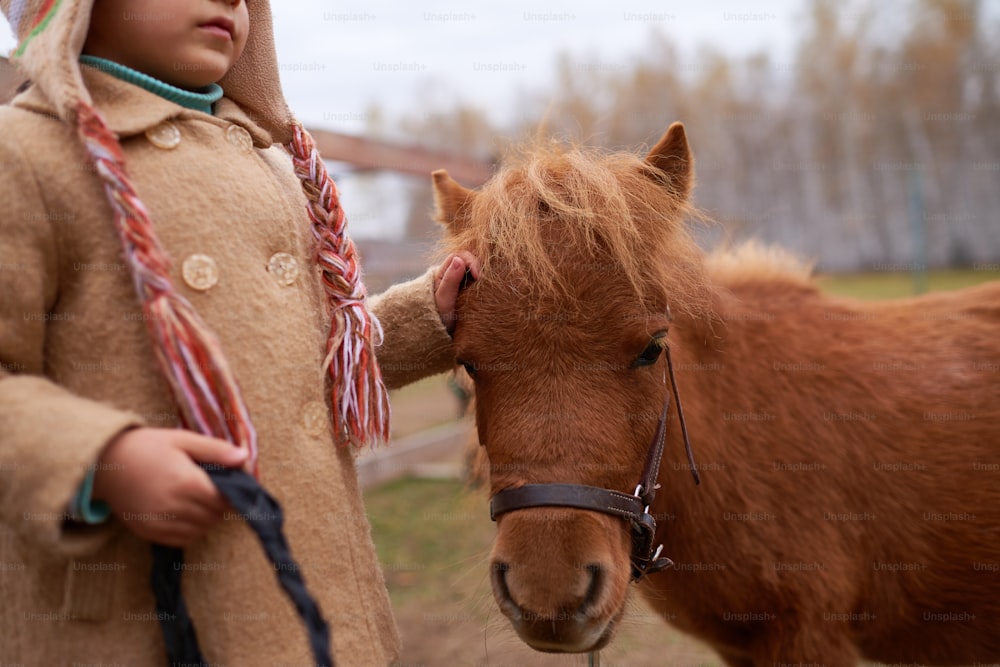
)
(464, 638)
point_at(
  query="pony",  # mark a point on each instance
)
(849, 452)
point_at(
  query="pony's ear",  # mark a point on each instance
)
(450, 198)
(672, 156)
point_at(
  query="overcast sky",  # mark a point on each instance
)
(338, 58)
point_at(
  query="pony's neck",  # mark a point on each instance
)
(722, 360)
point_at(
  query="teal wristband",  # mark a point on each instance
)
(85, 508)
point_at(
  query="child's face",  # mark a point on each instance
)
(186, 43)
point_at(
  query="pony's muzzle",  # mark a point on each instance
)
(570, 625)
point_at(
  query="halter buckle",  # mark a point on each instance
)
(643, 495)
(644, 560)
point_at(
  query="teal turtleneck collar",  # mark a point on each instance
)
(202, 101)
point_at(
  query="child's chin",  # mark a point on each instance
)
(197, 74)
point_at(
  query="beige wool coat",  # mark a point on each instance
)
(77, 367)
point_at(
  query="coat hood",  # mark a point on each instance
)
(51, 34)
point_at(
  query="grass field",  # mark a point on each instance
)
(433, 539)
(874, 286)
(422, 405)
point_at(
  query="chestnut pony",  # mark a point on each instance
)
(849, 452)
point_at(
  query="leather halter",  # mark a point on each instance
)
(633, 508)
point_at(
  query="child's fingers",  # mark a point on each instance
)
(178, 526)
(200, 518)
(198, 491)
(471, 263)
(177, 534)
(453, 273)
(204, 449)
(455, 266)
(448, 267)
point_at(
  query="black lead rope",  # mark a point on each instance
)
(263, 514)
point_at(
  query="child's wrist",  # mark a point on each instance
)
(106, 465)
(88, 505)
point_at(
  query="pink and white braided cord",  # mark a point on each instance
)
(360, 399)
(208, 398)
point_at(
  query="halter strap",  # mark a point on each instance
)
(651, 471)
(579, 496)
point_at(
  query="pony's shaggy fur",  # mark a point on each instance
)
(848, 451)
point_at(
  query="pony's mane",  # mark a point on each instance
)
(754, 261)
(616, 211)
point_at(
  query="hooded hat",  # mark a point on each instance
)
(51, 34)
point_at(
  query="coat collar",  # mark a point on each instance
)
(130, 110)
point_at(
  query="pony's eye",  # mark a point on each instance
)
(650, 354)
(469, 367)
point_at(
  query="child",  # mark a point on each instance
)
(235, 310)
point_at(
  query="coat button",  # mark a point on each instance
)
(284, 268)
(315, 418)
(200, 272)
(165, 135)
(240, 138)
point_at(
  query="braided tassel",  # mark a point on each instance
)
(207, 396)
(360, 400)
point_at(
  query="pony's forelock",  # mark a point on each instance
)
(612, 212)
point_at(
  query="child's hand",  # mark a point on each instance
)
(447, 282)
(150, 479)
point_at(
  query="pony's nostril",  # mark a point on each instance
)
(500, 569)
(594, 589)
(498, 574)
